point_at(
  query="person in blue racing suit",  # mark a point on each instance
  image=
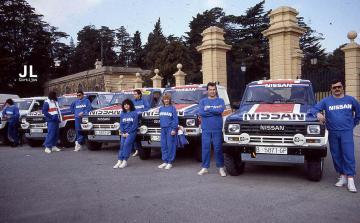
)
(141, 105)
(169, 124)
(128, 126)
(80, 107)
(11, 113)
(342, 114)
(52, 114)
(211, 109)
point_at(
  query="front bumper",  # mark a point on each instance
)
(113, 137)
(35, 136)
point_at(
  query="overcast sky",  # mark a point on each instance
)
(333, 18)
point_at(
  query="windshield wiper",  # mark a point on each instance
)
(289, 101)
(186, 99)
(259, 101)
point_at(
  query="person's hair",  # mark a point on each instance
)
(166, 96)
(127, 102)
(80, 92)
(138, 92)
(334, 81)
(212, 84)
(10, 101)
(52, 95)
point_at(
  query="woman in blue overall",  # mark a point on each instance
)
(169, 124)
(128, 127)
(52, 114)
(11, 113)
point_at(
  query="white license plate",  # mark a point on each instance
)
(36, 130)
(155, 138)
(103, 133)
(271, 150)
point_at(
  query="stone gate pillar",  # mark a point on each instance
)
(138, 81)
(213, 50)
(156, 79)
(352, 66)
(284, 34)
(179, 76)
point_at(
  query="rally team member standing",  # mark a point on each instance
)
(11, 113)
(211, 109)
(52, 116)
(342, 114)
(80, 107)
(128, 126)
(140, 106)
(169, 124)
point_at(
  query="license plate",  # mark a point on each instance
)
(103, 133)
(155, 138)
(271, 150)
(36, 130)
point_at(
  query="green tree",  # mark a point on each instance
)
(107, 44)
(124, 43)
(137, 51)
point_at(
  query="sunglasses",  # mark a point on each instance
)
(336, 87)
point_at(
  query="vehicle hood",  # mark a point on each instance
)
(273, 112)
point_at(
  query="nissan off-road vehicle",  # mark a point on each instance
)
(103, 125)
(273, 125)
(186, 101)
(35, 127)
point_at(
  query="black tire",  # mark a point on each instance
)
(144, 154)
(93, 146)
(233, 164)
(315, 169)
(34, 143)
(68, 136)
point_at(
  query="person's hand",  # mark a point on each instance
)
(81, 114)
(126, 135)
(173, 133)
(321, 118)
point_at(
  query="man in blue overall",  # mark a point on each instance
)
(342, 114)
(80, 107)
(52, 115)
(11, 113)
(141, 105)
(211, 109)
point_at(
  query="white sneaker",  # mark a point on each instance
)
(117, 164)
(342, 181)
(77, 147)
(351, 185)
(168, 166)
(56, 149)
(123, 164)
(222, 172)
(203, 171)
(47, 150)
(135, 153)
(162, 165)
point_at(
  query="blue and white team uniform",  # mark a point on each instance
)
(12, 114)
(168, 122)
(128, 124)
(211, 124)
(141, 105)
(78, 106)
(342, 115)
(52, 116)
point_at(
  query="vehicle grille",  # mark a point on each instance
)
(39, 125)
(154, 131)
(150, 122)
(104, 120)
(104, 126)
(255, 129)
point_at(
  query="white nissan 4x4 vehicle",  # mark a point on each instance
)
(273, 125)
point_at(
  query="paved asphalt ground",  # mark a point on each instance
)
(82, 187)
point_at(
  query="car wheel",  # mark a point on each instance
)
(233, 164)
(315, 169)
(68, 136)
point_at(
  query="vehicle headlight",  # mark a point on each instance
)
(23, 120)
(190, 122)
(85, 120)
(25, 125)
(313, 129)
(143, 129)
(116, 125)
(234, 128)
(299, 139)
(87, 126)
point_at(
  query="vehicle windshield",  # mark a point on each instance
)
(119, 98)
(23, 105)
(186, 95)
(66, 101)
(290, 94)
(101, 100)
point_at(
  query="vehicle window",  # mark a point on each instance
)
(66, 101)
(37, 105)
(155, 99)
(187, 95)
(295, 93)
(23, 105)
(119, 98)
(223, 94)
(101, 100)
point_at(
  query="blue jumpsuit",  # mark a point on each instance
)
(12, 113)
(52, 124)
(141, 105)
(211, 124)
(168, 122)
(128, 124)
(342, 115)
(80, 105)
